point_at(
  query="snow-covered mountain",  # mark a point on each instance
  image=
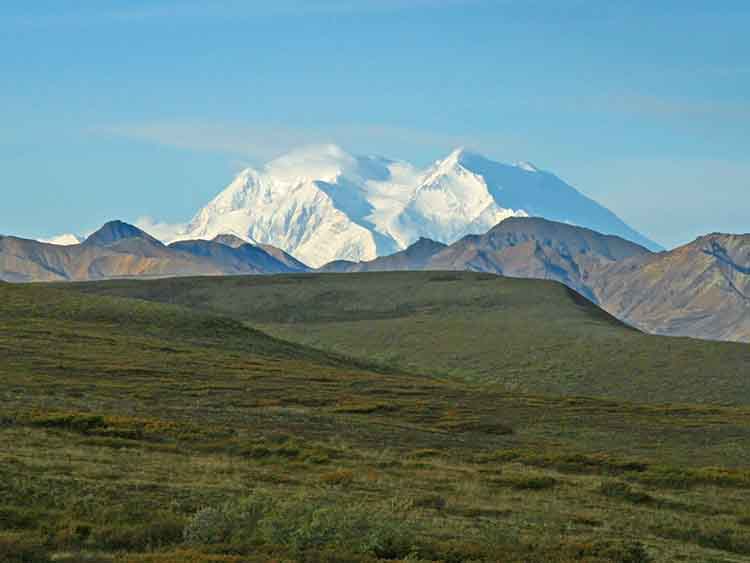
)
(67, 239)
(322, 204)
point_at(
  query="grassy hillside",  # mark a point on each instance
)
(140, 432)
(529, 336)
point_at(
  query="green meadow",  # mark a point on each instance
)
(379, 417)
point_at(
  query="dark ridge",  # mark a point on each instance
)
(115, 231)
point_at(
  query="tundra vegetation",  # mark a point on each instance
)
(213, 427)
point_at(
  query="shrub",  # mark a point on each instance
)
(679, 478)
(623, 491)
(12, 518)
(160, 532)
(340, 478)
(17, 549)
(303, 525)
(208, 526)
(612, 552)
(229, 522)
(722, 539)
(526, 482)
(435, 502)
(185, 556)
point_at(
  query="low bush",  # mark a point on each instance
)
(303, 525)
(435, 502)
(186, 556)
(623, 491)
(609, 551)
(525, 482)
(679, 478)
(14, 518)
(723, 539)
(592, 464)
(17, 549)
(161, 531)
(338, 478)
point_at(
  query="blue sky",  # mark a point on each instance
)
(147, 108)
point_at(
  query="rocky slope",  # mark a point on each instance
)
(701, 289)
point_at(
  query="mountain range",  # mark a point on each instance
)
(700, 290)
(120, 250)
(322, 204)
(321, 208)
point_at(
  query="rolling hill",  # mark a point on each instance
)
(700, 290)
(528, 335)
(153, 433)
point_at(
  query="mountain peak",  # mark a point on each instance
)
(115, 231)
(460, 155)
(424, 247)
(424, 241)
(321, 203)
(230, 240)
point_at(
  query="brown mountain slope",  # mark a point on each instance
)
(120, 250)
(517, 247)
(537, 248)
(416, 257)
(701, 289)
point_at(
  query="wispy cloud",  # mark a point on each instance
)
(257, 143)
(165, 232)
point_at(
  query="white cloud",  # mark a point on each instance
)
(165, 232)
(259, 143)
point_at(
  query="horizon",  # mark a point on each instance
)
(150, 110)
(145, 229)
